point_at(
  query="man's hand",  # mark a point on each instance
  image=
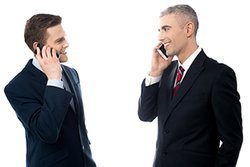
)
(49, 63)
(158, 64)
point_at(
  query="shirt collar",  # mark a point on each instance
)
(37, 65)
(190, 59)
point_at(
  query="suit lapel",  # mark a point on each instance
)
(167, 83)
(72, 82)
(192, 75)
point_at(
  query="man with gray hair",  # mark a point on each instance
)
(195, 98)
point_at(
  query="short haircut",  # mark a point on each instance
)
(185, 12)
(36, 26)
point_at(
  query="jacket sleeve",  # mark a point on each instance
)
(41, 116)
(147, 110)
(227, 109)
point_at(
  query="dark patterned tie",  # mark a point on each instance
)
(179, 75)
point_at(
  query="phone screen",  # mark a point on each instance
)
(162, 52)
(41, 47)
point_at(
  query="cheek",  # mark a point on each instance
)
(180, 40)
(57, 48)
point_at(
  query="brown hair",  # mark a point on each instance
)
(36, 26)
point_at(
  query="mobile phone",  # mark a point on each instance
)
(162, 52)
(41, 47)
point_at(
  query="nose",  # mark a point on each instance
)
(161, 36)
(66, 44)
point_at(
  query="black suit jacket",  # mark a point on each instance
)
(55, 133)
(205, 111)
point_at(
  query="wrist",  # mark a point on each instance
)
(54, 76)
(155, 73)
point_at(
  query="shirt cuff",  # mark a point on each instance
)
(56, 83)
(149, 80)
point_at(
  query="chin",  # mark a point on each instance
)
(168, 53)
(63, 58)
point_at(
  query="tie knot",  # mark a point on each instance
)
(181, 69)
(179, 74)
(178, 79)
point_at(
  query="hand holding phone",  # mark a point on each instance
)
(41, 47)
(50, 66)
(162, 51)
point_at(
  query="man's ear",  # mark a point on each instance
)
(35, 45)
(190, 29)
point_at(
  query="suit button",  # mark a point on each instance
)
(165, 153)
(166, 131)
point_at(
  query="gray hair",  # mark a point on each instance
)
(186, 13)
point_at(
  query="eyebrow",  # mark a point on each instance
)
(164, 27)
(59, 40)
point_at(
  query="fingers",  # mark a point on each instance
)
(37, 51)
(46, 52)
(53, 53)
(158, 45)
(38, 54)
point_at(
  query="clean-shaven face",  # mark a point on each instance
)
(56, 39)
(172, 34)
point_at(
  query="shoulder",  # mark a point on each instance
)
(23, 80)
(217, 71)
(70, 69)
(217, 66)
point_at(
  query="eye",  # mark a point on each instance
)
(60, 40)
(166, 28)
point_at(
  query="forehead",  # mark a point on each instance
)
(169, 20)
(55, 32)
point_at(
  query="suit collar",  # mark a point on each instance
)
(187, 63)
(36, 64)
(192, 74)
(36, 74)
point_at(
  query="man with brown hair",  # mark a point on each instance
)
(47, 99)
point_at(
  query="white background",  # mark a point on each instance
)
(110, 46)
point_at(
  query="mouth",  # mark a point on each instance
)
(166, 44)
(63, 53)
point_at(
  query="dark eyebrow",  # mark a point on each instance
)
(164, 27)
(60, 40)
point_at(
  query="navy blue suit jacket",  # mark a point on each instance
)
(55, 133)
(205, 111)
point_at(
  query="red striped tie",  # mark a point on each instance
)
(180, 73)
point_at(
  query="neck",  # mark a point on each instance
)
(185, 53)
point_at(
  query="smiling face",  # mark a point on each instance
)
(56, 39)
(173, 34)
